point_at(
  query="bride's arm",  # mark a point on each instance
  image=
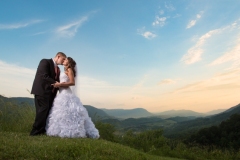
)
(71, 82)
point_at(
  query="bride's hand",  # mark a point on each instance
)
(56, 85)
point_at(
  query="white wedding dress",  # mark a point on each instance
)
(68, 117)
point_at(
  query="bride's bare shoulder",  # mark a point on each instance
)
(69, 71)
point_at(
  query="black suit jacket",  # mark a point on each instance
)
(45, 76)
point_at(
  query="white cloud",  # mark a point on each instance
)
(146, 34)
(159, 21)
(19, 25)
(193, 22)
(71, 29)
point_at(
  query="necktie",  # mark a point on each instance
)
(56, 72)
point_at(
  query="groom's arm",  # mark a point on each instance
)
(43, 71)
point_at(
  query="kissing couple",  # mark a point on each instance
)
(61, 114)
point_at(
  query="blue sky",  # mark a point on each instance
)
(158, 55)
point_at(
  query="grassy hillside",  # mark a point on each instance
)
(21, 146)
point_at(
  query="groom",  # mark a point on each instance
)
(44, 93)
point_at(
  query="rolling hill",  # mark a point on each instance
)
(96, 113)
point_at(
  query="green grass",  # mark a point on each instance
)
(16, 145)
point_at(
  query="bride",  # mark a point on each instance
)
(68, 117)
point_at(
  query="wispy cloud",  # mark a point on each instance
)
(161, 12)
(176, 16)
(70, 30)
(19, 25)
(169, 6)
(194, 54)
(39, 33)
(146, 34)
(166, 81)
(191, 23)
(232, 55)
(93, 83)
(15, 78)
(20, 78)
(194, 21)
(221, 81)
(14, 69)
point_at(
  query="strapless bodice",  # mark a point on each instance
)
(64, 78)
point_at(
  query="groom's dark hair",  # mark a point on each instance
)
(61, 54)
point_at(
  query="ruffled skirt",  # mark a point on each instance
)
(69, 118)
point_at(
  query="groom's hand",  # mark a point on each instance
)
(56, 85)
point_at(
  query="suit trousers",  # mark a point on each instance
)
(43, 105)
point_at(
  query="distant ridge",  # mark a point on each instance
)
(215, 112)
(17, 100)
(128, 113)
(184, 127)
(181, 113)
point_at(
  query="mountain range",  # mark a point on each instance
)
(175, 123)
(122, 113)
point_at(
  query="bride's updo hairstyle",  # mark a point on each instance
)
(72, 64)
